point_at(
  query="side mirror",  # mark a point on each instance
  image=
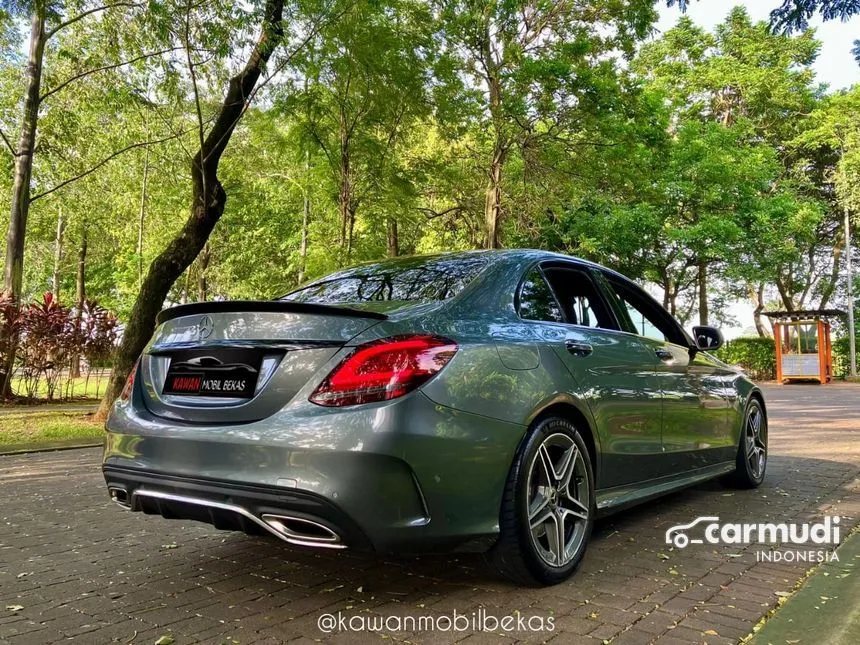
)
(707, 339)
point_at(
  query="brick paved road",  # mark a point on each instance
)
(81, 568)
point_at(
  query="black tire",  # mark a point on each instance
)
(519, 555)
(749, 473)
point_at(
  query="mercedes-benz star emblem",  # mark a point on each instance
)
(205, 328)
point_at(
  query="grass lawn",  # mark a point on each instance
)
(79, 388)
(46, 427)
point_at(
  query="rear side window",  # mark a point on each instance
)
(435, 278)
(537, 301)
(581, 303)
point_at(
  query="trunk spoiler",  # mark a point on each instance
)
(276, 306)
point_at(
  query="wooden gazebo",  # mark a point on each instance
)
(803, 347)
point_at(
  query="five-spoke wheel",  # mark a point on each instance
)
(752, 448)
(559, 499)
(548, 507)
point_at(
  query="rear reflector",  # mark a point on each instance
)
(384, 369)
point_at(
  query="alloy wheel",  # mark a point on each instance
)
(756, 441)
(559, 500)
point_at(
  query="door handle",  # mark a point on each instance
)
(664, 355)
(578, 348)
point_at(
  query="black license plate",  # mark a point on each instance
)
(222, 373)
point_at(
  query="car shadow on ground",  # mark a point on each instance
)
(630, 542)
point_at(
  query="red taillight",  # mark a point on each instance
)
(384, 369)
(129, 384)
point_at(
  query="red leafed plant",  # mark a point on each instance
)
(98, 336)
(47, 336)
(10, 325)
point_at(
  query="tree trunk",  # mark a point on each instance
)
(58, 255)
(703, 292)
(14, 271)
(757, 298)
(306, 216)
(493, 200)
(784, 295)
(393, 239)
(202, 286)
(346, 206)
(141, 217)
(80, 298)
(208, 201)
(186, 288)
(832, 280)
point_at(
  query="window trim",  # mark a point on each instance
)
(588, 272)
(519, 290)
(650, 303)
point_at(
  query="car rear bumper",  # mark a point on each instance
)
(230, 506)
(406, 477)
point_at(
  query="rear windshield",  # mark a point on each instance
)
(437, 278)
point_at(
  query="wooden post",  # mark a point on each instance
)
(777, 339)
(822, 353)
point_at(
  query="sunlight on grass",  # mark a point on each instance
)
(79, 388)
(45, 427)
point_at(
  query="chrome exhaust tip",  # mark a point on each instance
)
(120, 496)
(294, 530)
(300, 530)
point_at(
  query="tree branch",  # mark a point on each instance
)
(8, 143)
(114, 155)
(88, 12)
(201, 135)
(104, 68)
(431, 214)
(215, 147)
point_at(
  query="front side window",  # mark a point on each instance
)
(537, 302)
(422, 279)
(645, 317)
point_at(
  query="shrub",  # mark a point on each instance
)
(842, 356)
(10, 324)
(47, 337)
(757, 356)
(98, 335)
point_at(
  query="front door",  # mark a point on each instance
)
(695, 410)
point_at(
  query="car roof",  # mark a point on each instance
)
(494, 254)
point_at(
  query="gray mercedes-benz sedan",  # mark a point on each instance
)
(495, 400)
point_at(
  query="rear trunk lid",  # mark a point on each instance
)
(241, 361)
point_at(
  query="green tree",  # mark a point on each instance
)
(536, 68)
(367, 80)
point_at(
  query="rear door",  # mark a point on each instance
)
(613, 372)
(695, 410)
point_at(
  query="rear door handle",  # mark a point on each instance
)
(578, 348)
(664, 355)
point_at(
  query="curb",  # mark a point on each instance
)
(23, 449)
(823, 609)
